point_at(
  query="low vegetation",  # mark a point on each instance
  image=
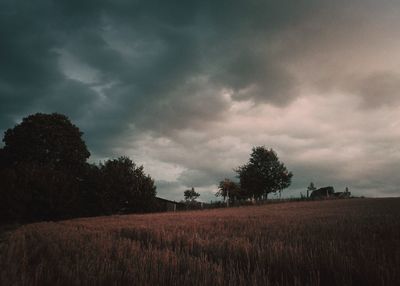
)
(333, 242)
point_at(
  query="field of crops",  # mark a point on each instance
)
(340, 242)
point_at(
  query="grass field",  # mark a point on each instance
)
(341, 242)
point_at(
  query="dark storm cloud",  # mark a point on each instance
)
(148, 49)
(185, 71)
(30, 79)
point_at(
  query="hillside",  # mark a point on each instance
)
(340, 242)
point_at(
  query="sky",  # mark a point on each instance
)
(187, 88)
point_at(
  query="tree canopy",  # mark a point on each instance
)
(191, 195)
(47, 140)
(125, 186)
(228, 189)
(44, 175)
(263, 174)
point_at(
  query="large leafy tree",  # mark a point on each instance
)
(263, 174)
(41, 167)
(44, 174)
(49, 140)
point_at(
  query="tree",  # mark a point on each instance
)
(49, 140)
(191, 195)
(44, 175)
(125, 187)
(31, 192)
(3, 159)
(41, 168)
(251, 182)
(228, 189)
(311, 188)
(263, 174)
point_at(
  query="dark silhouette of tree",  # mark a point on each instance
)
(41, 167)
(49, 140)
(44, 175)
(144, 191)
(125, 187)
(191, 195)
(35, 192)
(251, 181)
(228, 189)
(263, 174)
(90, 191)
(7, 194)
(4, 162)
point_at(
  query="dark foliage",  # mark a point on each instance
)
(190, 199)
(44, 175)
(263, 174)
(125, 187)
(229, 190)
(49, 140)
(191, 195)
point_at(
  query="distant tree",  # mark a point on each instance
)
(144, 190)
(251, 182)
(191, 195)
(49, 140)
(263, 174)
(311, 188)
(125, 187)
(228, 189)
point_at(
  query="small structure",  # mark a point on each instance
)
(343, 195)
(329, 193)
(323, 193)
(167, 205)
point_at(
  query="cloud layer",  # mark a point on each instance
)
(186, 88)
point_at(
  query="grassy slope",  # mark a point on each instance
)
(343, 242)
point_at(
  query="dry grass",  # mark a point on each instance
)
(342, 242)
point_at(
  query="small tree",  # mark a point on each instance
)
(228, 189)
(191, 195)
(311, 188)
(263, 174)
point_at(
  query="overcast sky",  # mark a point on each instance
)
(187, 88)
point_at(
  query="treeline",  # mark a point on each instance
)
(44, 175)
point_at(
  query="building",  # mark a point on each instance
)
(167, 205)
(323, 193)
(329, 192)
